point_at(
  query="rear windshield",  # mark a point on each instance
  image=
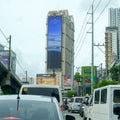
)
(78, 100)
(27, 110)
(42, 91)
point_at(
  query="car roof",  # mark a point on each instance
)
(38, 85)
(28, 97)
(77, 97)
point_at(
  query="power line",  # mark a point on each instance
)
(99, 15)
(3, 34)
(20, 65)
(102, 11)
(82, 29)
(97, 5)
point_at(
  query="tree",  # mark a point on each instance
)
(115, 72)
(71, 93)
(77, 76)
(104, 83)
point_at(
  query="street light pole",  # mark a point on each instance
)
(9, 61)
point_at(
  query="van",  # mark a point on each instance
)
(46, 90)
(106, 103)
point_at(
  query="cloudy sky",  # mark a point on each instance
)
(25, 20)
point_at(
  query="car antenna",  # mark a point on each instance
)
(18, 101)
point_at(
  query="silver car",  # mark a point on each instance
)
(74, 105)
(30, 107)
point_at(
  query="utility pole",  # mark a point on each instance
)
(9, 62)
(92, 68)
(26, 75)
(72, 68)
(92, 55)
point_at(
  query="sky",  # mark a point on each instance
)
(25, 21)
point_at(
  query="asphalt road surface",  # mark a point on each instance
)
(77, 116)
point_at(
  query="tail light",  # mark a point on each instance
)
(61, 107)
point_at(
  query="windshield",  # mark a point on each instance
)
(27, 110)
(42, 91)
(78, 100)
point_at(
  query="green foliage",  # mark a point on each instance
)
(7, 91)
(115, 72)
(104, 83)
(77, 76)
(71, 93)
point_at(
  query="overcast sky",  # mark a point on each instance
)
(25, 20)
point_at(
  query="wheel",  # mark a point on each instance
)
(84, 118)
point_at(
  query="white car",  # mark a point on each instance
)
(30, 107)
(46, 90)
(74, 105)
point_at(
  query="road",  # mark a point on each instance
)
(77, 116)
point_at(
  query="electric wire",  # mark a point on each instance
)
(3, 34)
(102, 11)
(79, 40)
(97, 5)
(94, 22)
(8, 48)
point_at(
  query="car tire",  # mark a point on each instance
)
(84, 118)
(82, 114)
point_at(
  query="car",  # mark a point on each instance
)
(47, 90)
(30, 107)
(74, 105)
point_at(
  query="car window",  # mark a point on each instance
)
(30, 110)
(116, 97)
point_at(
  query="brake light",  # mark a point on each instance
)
(11, 118)
(61, 107)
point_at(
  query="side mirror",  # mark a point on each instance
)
(69, 117)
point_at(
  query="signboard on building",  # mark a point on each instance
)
(86, 77)
(54, 43)
(48, 79)
(67, 82)
(4, 58)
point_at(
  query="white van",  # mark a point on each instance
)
(106, 103)
(46, 90)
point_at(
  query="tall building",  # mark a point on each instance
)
(111, 46)
(114, 21)
(60, 45)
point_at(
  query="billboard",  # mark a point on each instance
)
(67, 82)
(86, 77)
(4, 59)
(54, 43)
(45, 79)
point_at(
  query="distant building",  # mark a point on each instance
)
(114, 21)
(111, 46)
(60, 45)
